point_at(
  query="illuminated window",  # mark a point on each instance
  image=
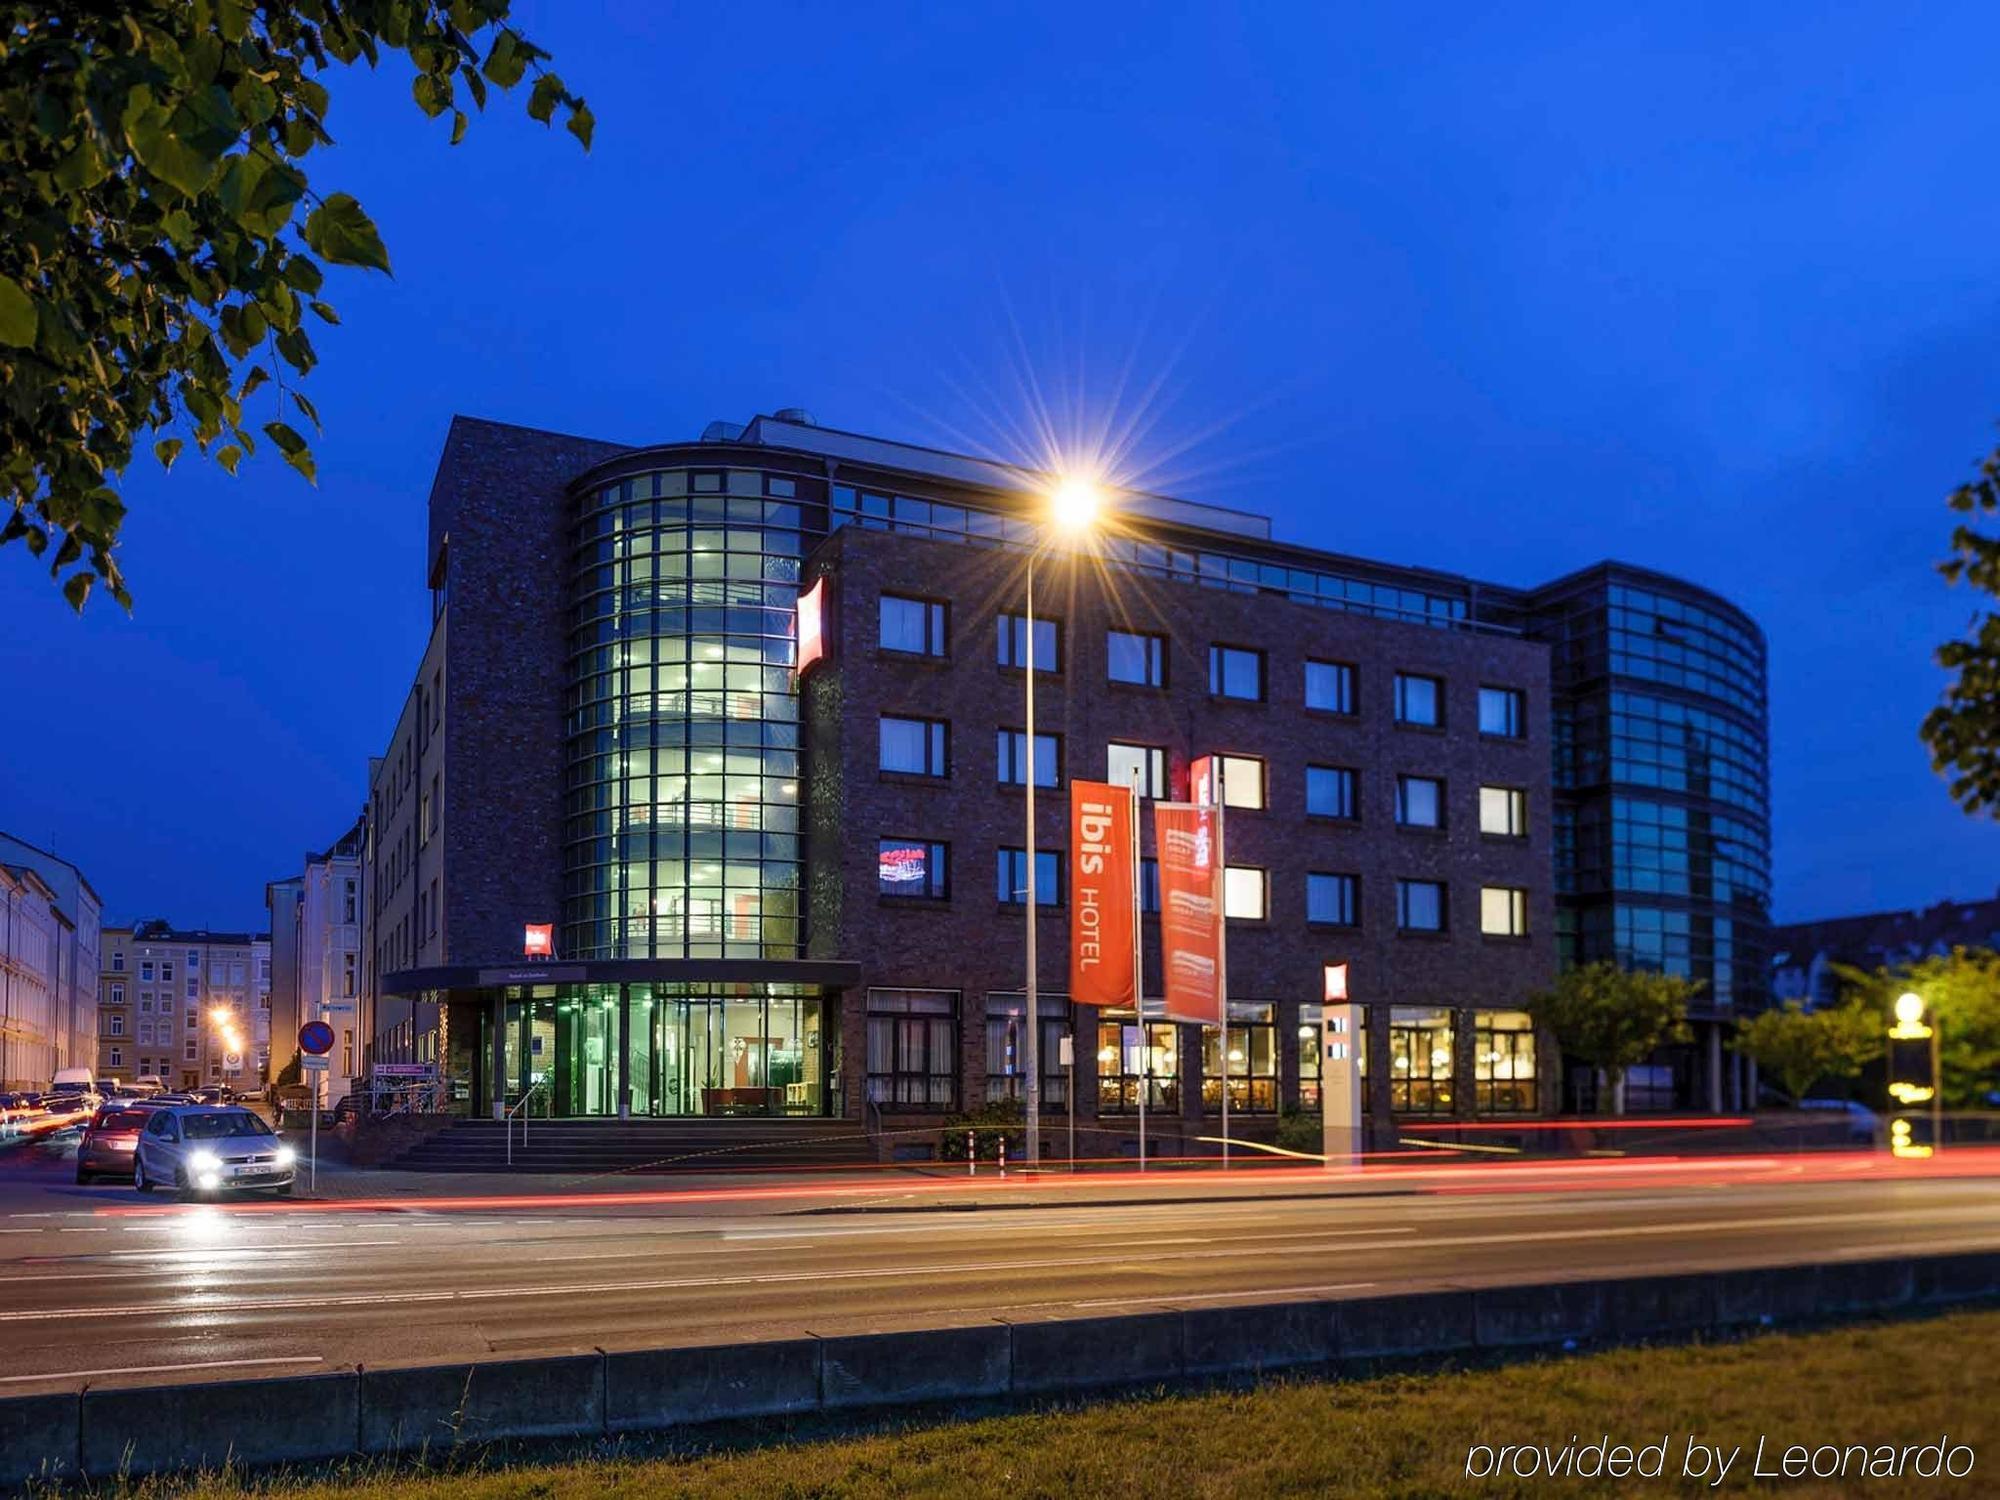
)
(1245, 893)
(1146, 762)
(1503, 812)
(1503, 911)
(1242, 781)
(911, 867)
(1013, 648)
(914, 747)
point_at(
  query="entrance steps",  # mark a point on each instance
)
(641, 1146)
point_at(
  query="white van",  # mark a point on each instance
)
(74, 1081)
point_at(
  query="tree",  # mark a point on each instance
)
(1961, 993)
(1800, 1047)
(161, 246)
(1963, 732)
(1611, 1018)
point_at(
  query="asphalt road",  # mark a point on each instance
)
(103, 1286)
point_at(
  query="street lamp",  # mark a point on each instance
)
(1910, 1027)
(1073, 507)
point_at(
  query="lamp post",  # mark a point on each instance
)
(1073, 507)
(1910, 1027)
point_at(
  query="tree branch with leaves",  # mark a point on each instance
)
(161, 246)
(1611, 1018)
(1963, 731)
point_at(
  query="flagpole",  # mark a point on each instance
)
(1139, 969)
(1222, 951)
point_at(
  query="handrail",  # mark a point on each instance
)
(520, 1108)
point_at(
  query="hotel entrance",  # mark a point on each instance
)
(680, 1051)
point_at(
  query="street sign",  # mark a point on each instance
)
(403, 1070)
(316, 1037)
(313, 1063)
(232, 1061)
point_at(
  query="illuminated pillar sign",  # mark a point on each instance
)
(812, 627)
(538, 940)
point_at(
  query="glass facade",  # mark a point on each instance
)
(682, 791)
(1662, 826)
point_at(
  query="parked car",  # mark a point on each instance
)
(199, 1148)
(65, 1109)
(108, 1142)
(215, 1093)
(17, 1111)
(1862, 1122)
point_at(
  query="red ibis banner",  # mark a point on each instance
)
(1190, 912)
(1100, 883)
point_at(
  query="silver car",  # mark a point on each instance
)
(200, 1149)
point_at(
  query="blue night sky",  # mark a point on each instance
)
(1696, 286)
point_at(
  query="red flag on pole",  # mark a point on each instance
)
(1100, 882)
(1190, 912)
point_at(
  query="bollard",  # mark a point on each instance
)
(971, 1155)
(1003, 1154)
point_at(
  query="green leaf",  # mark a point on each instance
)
(161, 151)
(457, 126)
(582, 123)
(340, 232)
(76, 589)
(302, 275)
(166, 450)
(325, 312)
(547, 95)
(229, 457)
(293, 447)
(310, 411)
(430, 99)
(505, 64)
(269, 204)
(17, 315)
(257, 376)
(83, 168)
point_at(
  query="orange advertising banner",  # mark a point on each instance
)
(1190, 912)
(1100, 883)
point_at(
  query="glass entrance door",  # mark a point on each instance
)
(717, 1055)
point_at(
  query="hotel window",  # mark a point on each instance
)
(1242, 781)
(914, 747)
(1333, 900)
(913, 1049)
(917, 868)
(1148, 763)
(1128, 1053)
(1245, 893)
(1330, 687)
(1503, 1071)
(1236, 672)
(1138, 659)
(1420, 1060)
(1501, 712)
(1503, 812)
(1013, 758)
(1253, 1062)
(1419, 700)
(1331, 792)
(1503, 911)
(1013, 650)
(1420, 905)
(1419, 802)
(1007, 1047)
(1012, 877)
(915, 627)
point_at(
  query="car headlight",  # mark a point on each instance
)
(286, 1156)
(205, 1161)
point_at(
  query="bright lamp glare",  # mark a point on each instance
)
(1074, 504)
(1909, 1008)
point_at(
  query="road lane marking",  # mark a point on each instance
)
(200, 1364)
(1262, 1291)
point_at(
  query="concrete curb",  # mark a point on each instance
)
(106, 1432)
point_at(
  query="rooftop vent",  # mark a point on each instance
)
(722, 432)
(795, 414)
